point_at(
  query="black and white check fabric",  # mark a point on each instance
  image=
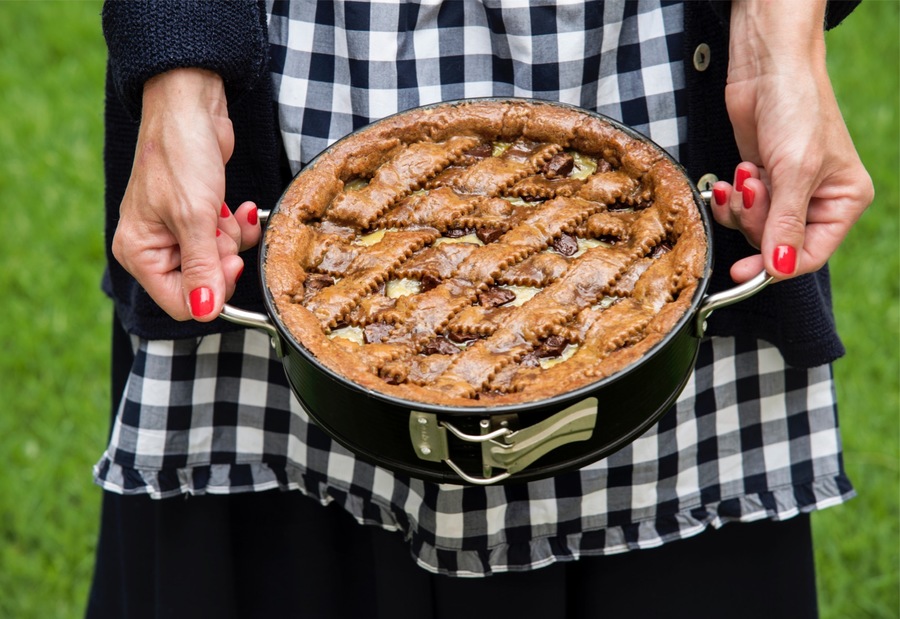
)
(340, 65)
(748, 439)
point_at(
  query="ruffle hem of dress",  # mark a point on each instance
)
(541, 549)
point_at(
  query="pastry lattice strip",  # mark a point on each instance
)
(369, 270)
(492, 176)
(439, 208)
(437, 261)
(407, 171)
(620, 325)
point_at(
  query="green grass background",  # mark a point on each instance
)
(54, 325)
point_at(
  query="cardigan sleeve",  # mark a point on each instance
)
(835, 11)
(148, 38)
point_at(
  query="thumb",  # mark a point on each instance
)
(203, 282)
(785, 228)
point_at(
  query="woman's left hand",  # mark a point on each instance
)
(802, 185)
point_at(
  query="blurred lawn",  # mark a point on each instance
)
(54, 331)
(857, 547)
(54, 334)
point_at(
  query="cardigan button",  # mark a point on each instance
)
(702, 57)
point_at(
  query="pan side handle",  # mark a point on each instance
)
(732, 295)
(728, 297)
(254, 320)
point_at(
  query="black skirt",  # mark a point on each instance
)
(280, 554)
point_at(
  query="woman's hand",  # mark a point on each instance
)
(802, 185)
(175, 234)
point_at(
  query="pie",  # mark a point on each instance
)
(485, 252)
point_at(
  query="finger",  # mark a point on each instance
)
(232, 264)
(721, 204)
(247, 217)
(728, 202)
(228, 225)
(785, 229)
(225, 245)
(742, 172)
(753, 210)
(232, 269)
(203, 283)
(747, 268)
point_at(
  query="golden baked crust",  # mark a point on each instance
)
(484, 253)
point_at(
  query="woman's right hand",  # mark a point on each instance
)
(175, 234)
(802, 185)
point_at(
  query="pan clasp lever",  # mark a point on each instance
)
(502, 448)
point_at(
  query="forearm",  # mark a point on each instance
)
(182, 93)
(771, 36)
(185, 110)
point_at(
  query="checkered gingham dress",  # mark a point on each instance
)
(748, 439)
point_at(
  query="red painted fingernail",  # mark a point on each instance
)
(719, 195)
(740, 177)
(202, 301)
(239, 273)
(785, 259)
(253, 216)
(748, 196)
(225, 212)
(218, 233)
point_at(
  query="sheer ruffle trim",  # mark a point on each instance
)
(778, 504)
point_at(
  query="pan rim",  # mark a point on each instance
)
(556, 401)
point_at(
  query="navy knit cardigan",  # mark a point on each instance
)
(145, 39)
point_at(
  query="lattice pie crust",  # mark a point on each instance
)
(484, 253)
